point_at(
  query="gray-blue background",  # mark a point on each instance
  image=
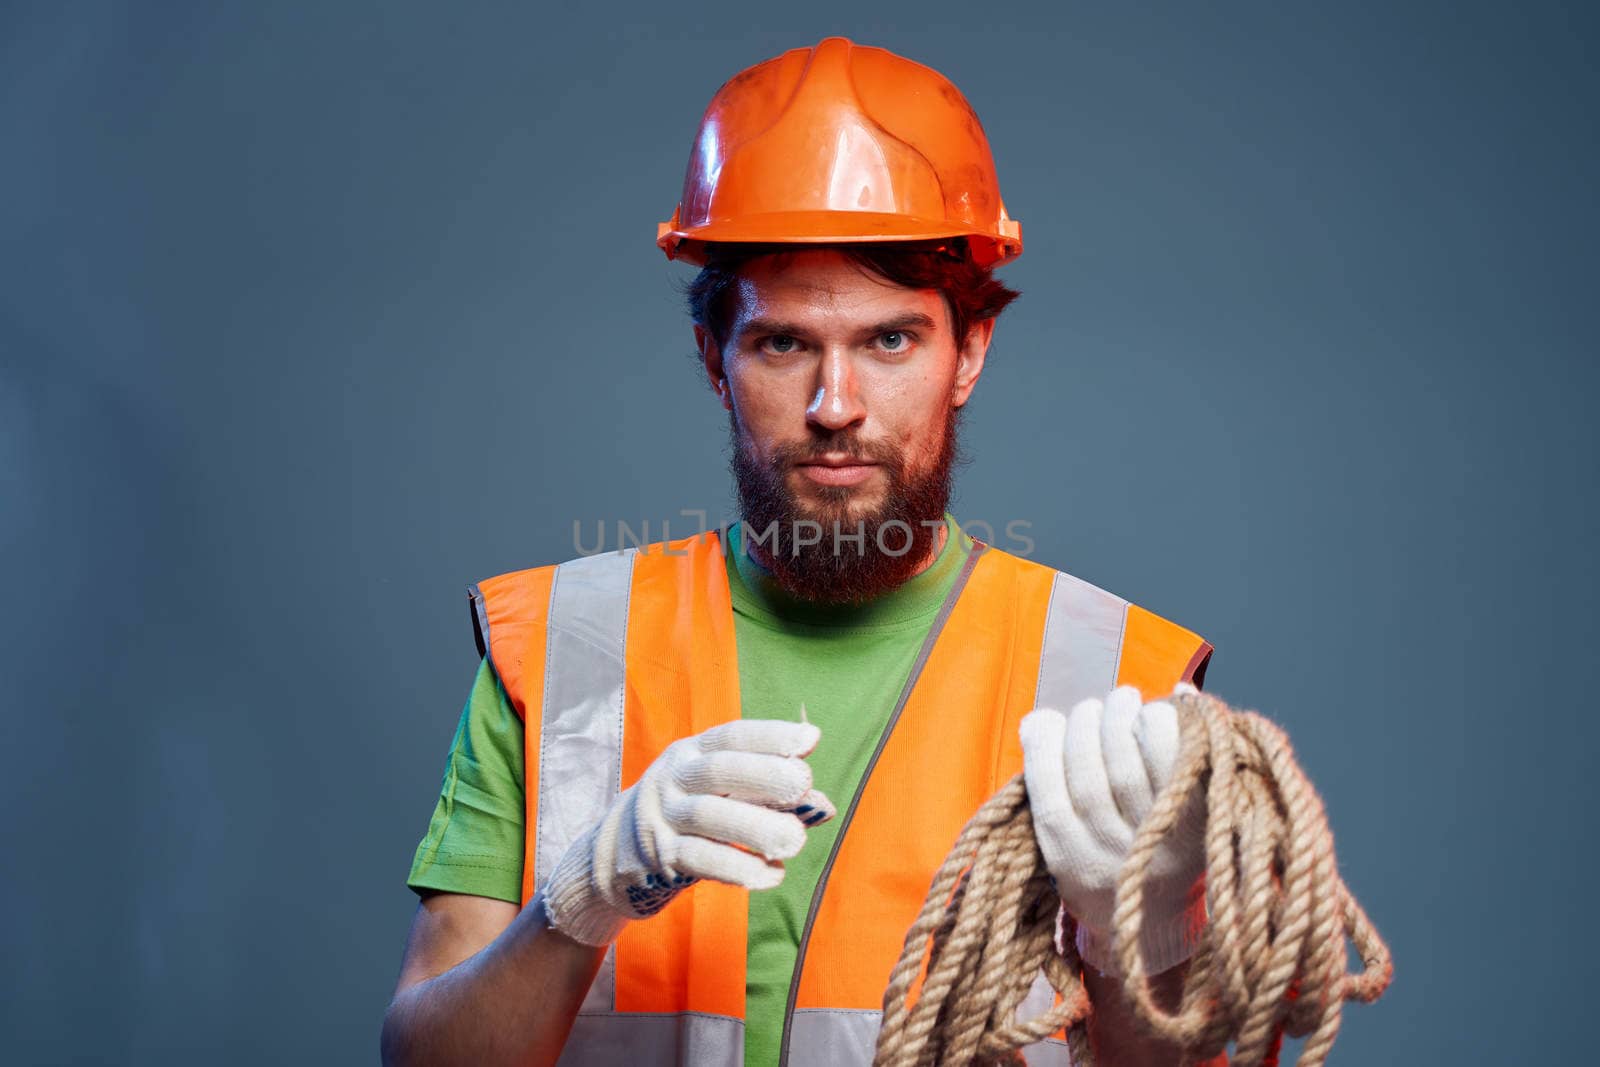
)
(312, 314)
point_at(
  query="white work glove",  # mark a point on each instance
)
(729, 804)
(1093, 775)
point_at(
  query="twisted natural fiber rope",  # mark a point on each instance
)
(1271, 961)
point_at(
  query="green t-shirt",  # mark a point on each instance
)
(846, 664)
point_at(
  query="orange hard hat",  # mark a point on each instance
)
(839, 144)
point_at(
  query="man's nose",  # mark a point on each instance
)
(837, 401)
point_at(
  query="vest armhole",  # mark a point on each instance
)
(1195, 672)
(480, 620)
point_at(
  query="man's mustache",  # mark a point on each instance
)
(850, 445)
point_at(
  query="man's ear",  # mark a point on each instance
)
(969, 360)
(711, 357)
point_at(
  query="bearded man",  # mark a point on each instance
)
(635, 857)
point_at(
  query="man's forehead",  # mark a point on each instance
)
(826, 281)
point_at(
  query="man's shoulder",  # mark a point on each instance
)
(1143, 635)
(1064, 581)
(525, 595)
(619, 559)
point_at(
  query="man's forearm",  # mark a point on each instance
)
(513, 1002)
(1116, 1035)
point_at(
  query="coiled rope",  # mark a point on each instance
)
(1271, 960)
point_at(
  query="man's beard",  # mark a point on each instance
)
(806, 557)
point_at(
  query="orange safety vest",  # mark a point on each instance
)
(611, 658)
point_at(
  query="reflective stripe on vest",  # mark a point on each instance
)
(610, 658)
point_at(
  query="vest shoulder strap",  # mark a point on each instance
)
(1091, 634)
(586, 598)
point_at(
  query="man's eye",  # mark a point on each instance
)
(894, 341)
(782, 344)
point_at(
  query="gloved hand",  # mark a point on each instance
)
(1093, 775)
(729, 804)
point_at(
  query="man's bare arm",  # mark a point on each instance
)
(1115, 1034)
(484, 982)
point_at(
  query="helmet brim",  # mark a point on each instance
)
(832, 228)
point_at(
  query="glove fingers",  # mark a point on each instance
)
(1159, 741)
(1131, 789)
(1087, 782)
(700, 857)
(1044, 734)
(775, 737)
(773, 834)
(776, 781)
(814, 808)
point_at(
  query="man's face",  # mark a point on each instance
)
(843, 391)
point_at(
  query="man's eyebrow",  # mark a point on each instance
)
(775, 327)
(779, 328)
(901, 322)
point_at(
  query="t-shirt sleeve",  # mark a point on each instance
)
(474, 841)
